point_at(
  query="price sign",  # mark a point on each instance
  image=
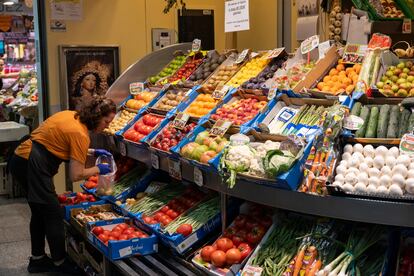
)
(242, 56)
(122, 149)
(196, 45)
(249, 270)
(271, 94)
(180, 120)
(220, 128)
(323, 48)
(407, 144)
(274, 53)
(354, 53)
(136, 87)
(174, 169)
(406, 26)
(353, 122)
(166, 86)
(309, 44)
(155, 161)
(220, 92)
(198, 176)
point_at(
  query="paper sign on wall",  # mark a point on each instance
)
(236, 16)
(66, 9)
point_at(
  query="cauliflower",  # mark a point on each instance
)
(237, 159)
(256, 167)
(263, 148)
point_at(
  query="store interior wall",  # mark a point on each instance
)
(128, 24)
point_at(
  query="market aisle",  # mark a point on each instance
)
(14, 237)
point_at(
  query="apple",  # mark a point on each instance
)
(401, 65)
(402, 93)
(206, 156)
(399, 81)
(392, 68)
(188, 149)
(394, 88)
(403, 75)
(221, 146)
(411, 73)
(394, 78)
(380, 84)
(389, 73)
(384, 78)
(410, 78)
(388, 92)
(411, 92)
(406, 70)
(198, 151)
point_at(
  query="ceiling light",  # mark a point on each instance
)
(10, 2)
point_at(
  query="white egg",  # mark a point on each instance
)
(348, 188)
(409, 185)
(373, 172)
(410, 174)
(385, 180)
(358, 148)
(390, 161)
(394, 151)
(340, 178)
(363, 167)
(343, 163)
(353, 170)
(404, 160)
(369, 161)
(349, 148)
(381, 150)
(341, 169)
(395, 190)
(337, 184)
(371, 189)
(353, 162)
(359, 156)
(363, 178)
(386, 171)
(369, 151)
(400, 169)
(379, 162)
(346, 156)
(398, 179)
(382, 190)
(360, 188)
(351, 178)
(411, 167)
(373, 181)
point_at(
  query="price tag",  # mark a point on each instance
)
(155, 161)
(242, 56)
(220, 127)
(354, 53)
(254, 54)
(309, 44)
(122, 149)
(407, 144)
(249, 270)
(174, 169)
(166, 86)
(406, 26)
(274, 53)
(272, 94)
(220, 92)
(323, 48)
(136, 88)
(180, 120)
(198, 176)
(196, 45)
(353, 122)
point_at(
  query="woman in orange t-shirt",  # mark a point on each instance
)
(63, 137)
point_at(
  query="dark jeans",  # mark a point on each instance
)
(17, 166)
(47, 221)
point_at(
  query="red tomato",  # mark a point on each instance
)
(143, 235)
(218, 258)
(245, 250)
(233, 256)
(158, 215)
(172, 214)
(237, 240)
(97, 230)
(147, 220)
(253, 238)
(250, 224)
(128, 231)
(123, 237)
(206, 253)
(242, 234)
(224, 244)
(185, 229)
(116, 234)
(240, 221)
(117, 229)
(166, 220)
(132, 228)
(112, 238)
(133, 235)
(107, 232)
(103, 237)
(229, 232)
(266, 221)
(123, 226)
(165, 209)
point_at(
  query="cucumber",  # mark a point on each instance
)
(364, 116)
(392, 130)
(411, 123)
(403, 124)
(383, 121)
(356, 109)
(372, 123)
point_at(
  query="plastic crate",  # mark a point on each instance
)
(5, 179)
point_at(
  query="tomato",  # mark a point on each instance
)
(147, 220)
(266, 221)
(218, 258)
(224, 244)
(106, 232)
(103, 237)
(116, 234)
(253, 238)
(233, 256)
(88, 185)
(172, 214)
(97, 230)
(229, 232)
(133, 235)
(142, 235)
(245, 250)
(158, 215)
(128, 231)
(123, 226)
(237, 240)
(112, 238)
(117, 229)
(242, 234)
(206, 253)
(166, 220)
(165, 209)
(240, 221)
(250, 224)
(93, 178)
(259, 230)
(123, 237)
(185, 229)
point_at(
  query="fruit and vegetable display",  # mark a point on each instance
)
(201, 106)
(386, 8)
(143, 127)
(239, 111)
(170, 100)
(187, 68)
(118, 232)
(251, 69)
(71, 198)
(168, 70)
(378, 172)
(220, 77)
(170, 136)
(289, 77)
(125, 182)
(120, 121)
(140, 100)
(266, 159)
(341, 79)
(204, 147)
(96, 213)
(398, 81)
(384, 121)
(209, 65)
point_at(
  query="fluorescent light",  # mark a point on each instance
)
(9, 2)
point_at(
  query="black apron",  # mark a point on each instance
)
(42, 166)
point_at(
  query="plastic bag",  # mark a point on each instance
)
(105, 181)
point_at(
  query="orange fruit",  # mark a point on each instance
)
(326, 88)
(357, 68)
(333, 72)
(335, 78)
(330, 83)
(340, 67)
(326, 78)
(320, 85)
(349, 88)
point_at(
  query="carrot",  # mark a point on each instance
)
(299, 261)
(316, 161)
(314, 253)
(315, 268)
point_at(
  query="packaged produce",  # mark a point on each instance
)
(397, 81)
(91, 183)
(121, 119)
(288, 77)
(141, 128)
(201, 106)
(168, 70)
(94, 213)
(209, 65)
(170, 136)
(140, 100)
(370, 68)
(251, 69)
(105, 181)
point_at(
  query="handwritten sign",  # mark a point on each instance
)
(180, 120)
(136, 88)
(309, 44)
(220, 92)
(220, 127)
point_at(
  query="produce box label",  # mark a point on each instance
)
(286, 115)
(273, 53)
(125, 251)
(407, 144)
(136, 88)
(180, 120)
(354, 53)
(198, 176)
(174, 169)
(196, 45)
(242, 56)
(309, 44)
(272, 93)
(220, 128)
(353, 122)
(155, 161)
(252, 271)
(220, 91)
(406, 26)
(187, 243)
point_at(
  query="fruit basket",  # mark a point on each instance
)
(200, 105)
(169, 102)
(397, 80)
(142, 129)
(211, 62)
(178, 60)
(137, 103)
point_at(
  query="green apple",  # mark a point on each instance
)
(399, 81)
(384, 78)
(389, 73)
(394, 79)
(406, 70)
(401, 65)
(392, 68)
(394, 88)
(405, 86)
(410, 78)
(380, 84)
(403, 75)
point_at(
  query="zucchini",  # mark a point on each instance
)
(403, 124)
(408, 102)
(356, 109)
(383, 121)
(364, 116)
(410, 123)
(372, 123)
(392, 130)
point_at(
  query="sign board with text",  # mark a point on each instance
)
(236, 16)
